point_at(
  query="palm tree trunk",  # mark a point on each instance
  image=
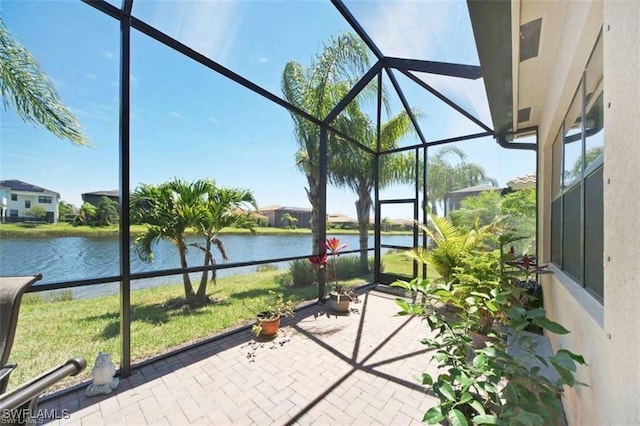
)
(188, 290)
(313, 196)
(434, 210)
(202, 289)
(363, 208)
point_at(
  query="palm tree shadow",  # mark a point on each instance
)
(155, 314)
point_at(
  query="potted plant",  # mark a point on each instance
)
(268, 316)
(339, 296)
(488, 383)
(522, 272)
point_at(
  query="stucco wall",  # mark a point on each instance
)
(608, 335)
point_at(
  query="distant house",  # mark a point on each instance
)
(453, 199)
(94, 197)
(18, 198)
(341, 221)
(275, 214)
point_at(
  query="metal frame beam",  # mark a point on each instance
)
(125, 166)
(470, 72)
(346, 14)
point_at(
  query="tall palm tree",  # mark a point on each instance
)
(355, 168)
(317, 90)
(25, 88)
(168, 210)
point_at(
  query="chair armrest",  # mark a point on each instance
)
(5, 372)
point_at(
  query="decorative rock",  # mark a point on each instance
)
(102, 374)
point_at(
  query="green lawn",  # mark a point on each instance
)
(49, 333)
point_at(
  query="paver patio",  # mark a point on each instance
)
(361, 368)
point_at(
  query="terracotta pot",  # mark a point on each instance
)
(339, 304)
(270, 327)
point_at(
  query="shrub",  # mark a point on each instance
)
(302, 274)
(267, 267)
(64, 295)
(32, 299)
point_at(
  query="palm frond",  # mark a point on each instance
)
(26, 88)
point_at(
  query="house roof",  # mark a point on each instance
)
(18, 185)
(340, 218)
(289, 208)
(523, 182)
(477, 188)
(108, 193)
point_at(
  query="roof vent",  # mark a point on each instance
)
(524, 114)
(530, 39)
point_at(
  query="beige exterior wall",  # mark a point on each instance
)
(607, 335)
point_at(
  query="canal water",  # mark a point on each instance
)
(77, 258)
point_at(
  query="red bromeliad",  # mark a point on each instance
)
(319, 260)
(334, 246)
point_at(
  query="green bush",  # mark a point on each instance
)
(267, 267)
(63, 295)
(302, 274)
(32, 299)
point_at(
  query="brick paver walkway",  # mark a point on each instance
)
(361, 368)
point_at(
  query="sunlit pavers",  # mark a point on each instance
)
(362, 368)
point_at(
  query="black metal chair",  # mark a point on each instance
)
(11, 291)
(20, 405)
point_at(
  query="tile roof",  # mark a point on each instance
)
(523, 182)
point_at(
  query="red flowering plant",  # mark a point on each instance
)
(333, 247)
(524, 270)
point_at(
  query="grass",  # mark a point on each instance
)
(396, 262)
(49, 333)
(53, 329)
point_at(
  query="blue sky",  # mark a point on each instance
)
(189, 122)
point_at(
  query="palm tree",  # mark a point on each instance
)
(317, 90)
(224, 208)
(355, 168)
(167, 210)
(170, 209)
(25, 88)
(289, 220)
(444, 177)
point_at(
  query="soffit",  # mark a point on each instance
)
(533, 76)
(513, 85)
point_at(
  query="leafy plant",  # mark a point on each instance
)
(274, 306)
(451, 243)
(487, 382)
(320, 261)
